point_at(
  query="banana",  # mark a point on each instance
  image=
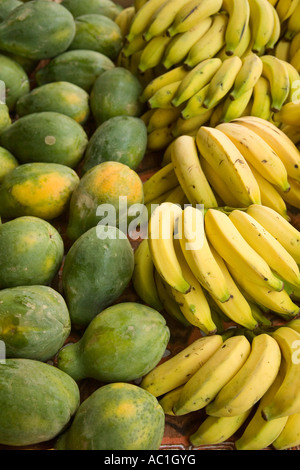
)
(290, 435)
(289, 114)
(294, 77)
(164, 96)
(177, 196)
(167, 78)
(143, 276)
(285, 8)
(163, 18)
(222, 81)
(293, 24)
(124, 18)
(295, 61)
(196, 79)
(167, 401)
(138, 4)
(262, 101)
(248, 75)
(251, 382)
(276, 72)
(236, 252)
(189, 173)
(286, 401)
(198, 254)
(136, 45)
(153, 52)
(162, 117)
(142, 18)
(257, 153)
(151, 205)
(194, 105)
(293, 196)
(159, 183)
(191, 13)
(282, 50)
(233, 109)
(180, 45)
(292, 132)
(261, 24)
(214, 430)
(190, 125)
(276, 33)
(178, 369)
(295, 44)
(210, 43)
(241, 48)
(259, 434)
(278, 141)
(239, 16)
(229, 164)
(159, 138)
(266, 246)
(218, 370)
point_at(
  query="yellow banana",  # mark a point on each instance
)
(236, 252)
(214, 430)
(295, 44)
(229, 163)
(262, 101)
(190, 175)
(276, 72)
(292, 132)
(167, 78)
(293, 24)
(136, 45)
(282, 50)
(163, 18)
(151, 205)
(287, 399)
(159, 183)
(159, 139)
(222, 81)
(294, 77)
(164, 96)
(286, 8)
(190, 125)
(210, 43)
(248, 75)
(251, 382)
(191, 13)
(289, 114)
(295, 61)
(290, 435)
(138, 4)
(124, 19)
(276, 33)
(177, 196)
(196, 79)
(280, 143)
(258, 153)
(241, 48)
(153, 52)
(218, 370)
(162, 117)
(239, 15)
(180, 45)
(167, 401)
(194, 106)
(293, 196)
(142, 18)
(233, 109)
(178, 369)
(261, 24)
(198, 254)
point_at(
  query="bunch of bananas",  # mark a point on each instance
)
(245, 384)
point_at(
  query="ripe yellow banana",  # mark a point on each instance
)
(236, 252)
(276, 33)
(258, 153)
(124, 19)
(162, 117)
(289, 114)
(136, 45)
(295, 61)
(177, 196)
(280, 143)
(292, 132)
(262, 100)
(286, 8)
(294, 45)
(167, 78)
(214, 430)
(233, 109)
(287, 399)
(248, 75)
(251, 382)
(191, 13)
(191, 125)
(160, 182)
(218, 370)
(242, 47)
(153, 52)
(194, 106)
(198, 254)
(294, 77)
(180, 45)
(290, 435)
(218, 150)
(142, 18)
(261, 24)
(210, 43)
(196, 79)
(164, 96)
(276, 72)
(159, 138)
(163, 18)
(293, 196)
(239, 15)
(167, 401)
(293, 24)
(280, 228)
(178, 369)
(189, 173)
(282, 50)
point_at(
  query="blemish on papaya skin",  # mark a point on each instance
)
(50, 140)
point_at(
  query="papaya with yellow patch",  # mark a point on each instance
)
(61, 97)
(117, 416)
(31, 252)
(7, 162)
(104, 196)
(37, 189)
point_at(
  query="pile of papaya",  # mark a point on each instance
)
(71, 140)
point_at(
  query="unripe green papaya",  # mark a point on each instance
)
(28, 65)
(115, 92)
(34, 322)
(31, 252)
(122, 343)
(61, 97)
(37, 189)
(97, 269)
(117, 416)
(7, 6)
(5, 119)
(37, 30)
(15, 79)
(97, 33)
(80, 67)
(7, 162)
(47, 137)
(37, 401)
(121, 138)
(99, 7)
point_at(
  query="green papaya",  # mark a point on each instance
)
(34, 322)
(116, 92)
(79, 67)
(37, 189)
(7, 162)
(61, 97)
(37, 401)
(15, 79)
(97, 269)
(122, 343)
(5, 119)
(104, 188)
(121, 138)
(100, 7)
(7, 6)
(31, 252)
(37, 30)
(28, 65)
(97, 33)
(47, 137)
(118, 416)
